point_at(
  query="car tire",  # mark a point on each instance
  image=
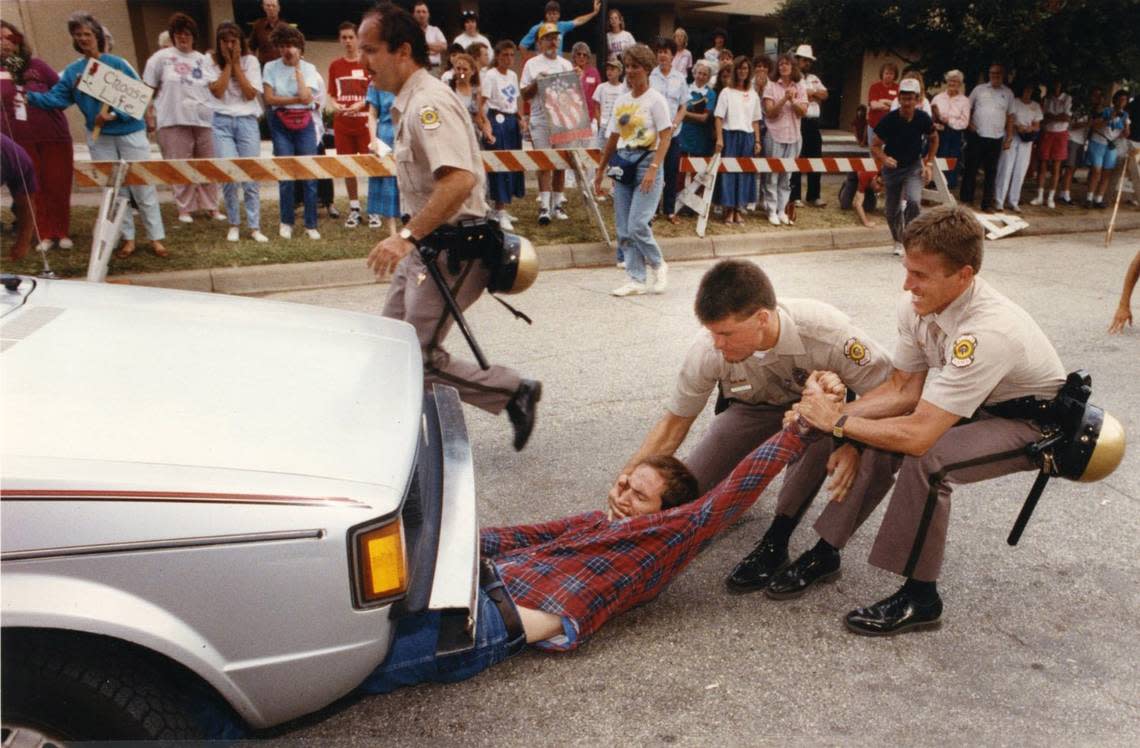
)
(79, 687)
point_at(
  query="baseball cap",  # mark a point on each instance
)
(910, 85)
(614, 62)
(547, 28)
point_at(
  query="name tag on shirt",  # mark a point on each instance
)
(742, 385)
(357, 73)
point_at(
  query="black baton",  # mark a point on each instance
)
(429, 255)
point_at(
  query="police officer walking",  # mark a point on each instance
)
(442, 185)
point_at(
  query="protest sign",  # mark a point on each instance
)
(115, 89)
(566, 108)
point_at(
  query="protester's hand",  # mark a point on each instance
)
(384, 256)
(1005, 144)
(489, 136)
(842, 466)
(927, 173)
(649, 178)
(614, 507)
(888, 161)
(719, 146)
(599, 174)
(103, 118)
(819, 410)
(333, 106)
(1123, 316)
(756, 148)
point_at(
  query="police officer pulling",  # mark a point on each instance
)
(448, 253)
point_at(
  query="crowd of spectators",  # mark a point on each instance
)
(257, 85)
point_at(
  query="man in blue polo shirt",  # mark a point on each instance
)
(552, 14)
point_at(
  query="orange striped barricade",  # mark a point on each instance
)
(108, 224)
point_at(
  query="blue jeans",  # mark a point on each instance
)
(131, 147)
(412, 658)
(288, 142)
(902, 183)
(239, 136)
(778, 190)
(633, 210)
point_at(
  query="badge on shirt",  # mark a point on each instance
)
(964, 348)
(856, 352)
(429, 118)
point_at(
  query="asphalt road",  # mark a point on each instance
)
(1039, 643)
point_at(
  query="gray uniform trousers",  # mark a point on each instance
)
(743, 427)
(414, 298)
(901, 545)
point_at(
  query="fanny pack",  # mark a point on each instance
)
(1028, 137)
(624, 170)
(294, 119)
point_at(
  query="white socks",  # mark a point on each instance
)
(544, 200)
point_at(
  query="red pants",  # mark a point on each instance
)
(53, 164)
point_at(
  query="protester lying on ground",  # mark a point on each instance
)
(553, 585)
(1124, 308)
(859, 191)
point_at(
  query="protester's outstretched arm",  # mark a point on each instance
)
(1124, 308)
(585, 17)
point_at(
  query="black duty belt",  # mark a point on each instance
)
(491, 583)
(1026, 408)
(473, 239)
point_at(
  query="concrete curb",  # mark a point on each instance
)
(263, 279)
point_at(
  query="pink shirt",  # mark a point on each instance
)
(785, 126)
(953, 111)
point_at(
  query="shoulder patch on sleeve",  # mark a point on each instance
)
(856, 351)
(964, 348)
(429, 117)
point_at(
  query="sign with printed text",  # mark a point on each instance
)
(115, 88)
(566, 107)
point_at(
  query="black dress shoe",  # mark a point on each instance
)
(757, 568)
(898, 612)
(521, 410)
(816, 565)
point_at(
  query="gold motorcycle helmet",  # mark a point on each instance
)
(516, 267)
(1094, 450)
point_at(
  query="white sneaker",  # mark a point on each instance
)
(751, 207)
(66, 243)
(898, 250)
(621, 265)
(375, 221)
(785, 220)
(505, 221)
(1050, 204)
(257, 236)
(560, 213)
(543, 217)
(285, 231)
(660, 278)
(233, 234)
(798, 203)
(44, 246)
(633, 288)
(312, 233)
(185, 218)
(218, 215)
(773, 219)
(1039, 200)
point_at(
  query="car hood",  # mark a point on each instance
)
(137, 392)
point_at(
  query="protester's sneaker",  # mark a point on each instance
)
(374, 221)
(560, 213)
(353, 219)
(633, 288)
(44, 245)
(218, 215)
(185, 218)
(660, 278)
(819, 203)
(1050, 204)
(66, 243)
(258, 237)
(233, 234)
(543, 217)
(312, 233)
(505, 221)
(285, 231)
(773, 219)
(333, 212)
(785, 220)
(621, 264)
(798, 203)
(1013, 207)
(1039, 200)
(751, 207)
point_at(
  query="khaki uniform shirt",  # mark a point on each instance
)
(433, 131)
(813, 335)
(982, 349)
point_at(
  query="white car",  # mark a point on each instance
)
(214, 508)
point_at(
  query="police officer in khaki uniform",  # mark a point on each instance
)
(971, 369)
(758, 353)
(441, 179)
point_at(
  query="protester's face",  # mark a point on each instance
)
(469, 26)
(379, 61)
(348, 41)
(484, 57)
(907, 100)
(552, 16)
(954, 86)
(718, 41)
(701, 76)
(290, 55)
(1057, 86)
(785, 68)
(86, 40)
(549, 45)
(1119, 100)
(581, 59)
(271, 8)
(664, 58)
(931, 285)
(743, 73)
(679, 39)
(612, 74)
(724, 58)
(505, 59)
(421, 14)
(641, 494)
(615, 21)
(888, 76)
(636, 75)
(997, 76)
(761, 77)
(1027, 94)
(805, 64)
(462, 70)
(8, 42)
(183, 40)
(230, 45)
(737, 338)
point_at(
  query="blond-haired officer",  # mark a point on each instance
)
(965, 351)
(442, 184)
(757, 353)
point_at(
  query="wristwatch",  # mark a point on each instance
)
(837, 429)
(406, 235)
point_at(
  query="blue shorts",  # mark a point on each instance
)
(1101, 155)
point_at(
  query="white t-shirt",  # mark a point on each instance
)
(432, 35)
(1062, 104)
(618, 43)
(1024, 114)
(535, 68)
(607, 94)
(812, 83)
(182, 81)
(465, 40)
(501, 90)
(638, 119)
(233, 102)
(739, 109)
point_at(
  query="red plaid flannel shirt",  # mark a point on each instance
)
(587, 569)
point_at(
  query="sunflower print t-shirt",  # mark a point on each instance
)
(638, 119)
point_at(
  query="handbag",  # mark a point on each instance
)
(624, 170)
(294, 119)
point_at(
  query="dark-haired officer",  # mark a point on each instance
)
(758, 353)
(442, 183)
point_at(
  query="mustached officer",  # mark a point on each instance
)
(442, 186)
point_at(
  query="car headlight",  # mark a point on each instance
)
(379, 563)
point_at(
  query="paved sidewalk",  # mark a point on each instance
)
(263, 279)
